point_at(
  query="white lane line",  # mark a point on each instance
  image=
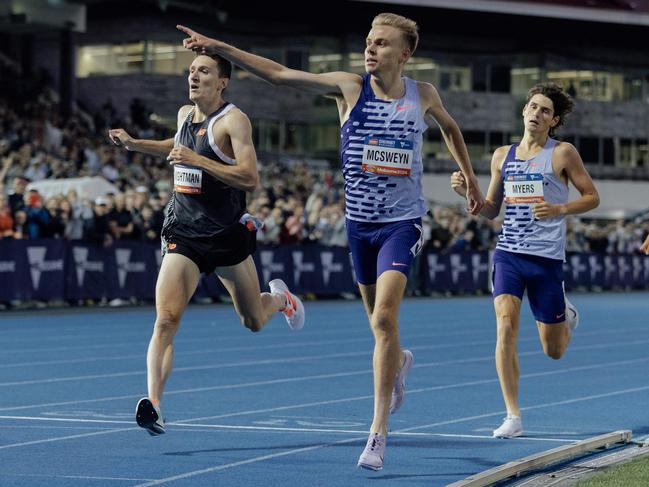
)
(66, 420)
(218, 468)
(77, 477)
(334, 430)
(343, 374)
(216, 351)
(323, 445)
(62, 438)
(180, 340)
(248, 461)
(185, 426)
(434, 388)
(306, 358)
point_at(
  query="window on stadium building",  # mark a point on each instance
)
(323, 138)
(134, 57)
(633, 153)
(266, 135)
(325, 63)
(522, 79)
(444, 77)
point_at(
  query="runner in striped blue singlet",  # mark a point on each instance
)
(382, 117)
(206, 228)
(532, 179)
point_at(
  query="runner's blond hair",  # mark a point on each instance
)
(408, 28)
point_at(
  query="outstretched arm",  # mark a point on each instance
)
(160, 148)
(437, 114)
(121, 138)
(331, 84)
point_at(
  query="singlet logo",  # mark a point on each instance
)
(202, 131)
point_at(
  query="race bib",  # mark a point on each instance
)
(524, 188)
(387, 156)
(187, 180)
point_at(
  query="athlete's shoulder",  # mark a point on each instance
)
(426, 89)
(565, 149)
(183, 111)
(235, 114)
(502, 151)
(235, 120)
(565, 154)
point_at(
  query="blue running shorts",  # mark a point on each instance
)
(379, 247)
(541, 276)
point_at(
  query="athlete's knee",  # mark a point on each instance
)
(167, 322)
(507, 333)
(253, 322)
(554, 350)
(383, 321)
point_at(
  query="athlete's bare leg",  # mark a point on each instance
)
(554, 338)
(508, 309)
(253, 307)
(382, 302)
(176, 284)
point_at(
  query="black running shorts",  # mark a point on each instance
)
(225, 249)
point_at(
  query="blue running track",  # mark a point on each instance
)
(293, 409)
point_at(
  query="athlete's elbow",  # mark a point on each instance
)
(595, 199)
(250, 184)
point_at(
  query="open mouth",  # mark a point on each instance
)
(193, 87)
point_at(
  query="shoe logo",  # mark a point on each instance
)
(399, 263)
(559, 316)
(201, 131)
(171, 246)
(400, 108)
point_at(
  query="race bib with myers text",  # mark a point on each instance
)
(524, 188)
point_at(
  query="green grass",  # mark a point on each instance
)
(632, 474)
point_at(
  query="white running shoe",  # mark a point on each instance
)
(294, 310)
(511, 428)
(572, 315)
(149, 417)
(399, 389)
(372, 456)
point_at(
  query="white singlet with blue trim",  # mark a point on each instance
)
(525, 183)
(381, 157)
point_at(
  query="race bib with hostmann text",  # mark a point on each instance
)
(524, 188)
(187, 180)
(387, 156)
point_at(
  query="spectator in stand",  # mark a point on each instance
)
(20, 225)
(98, 230)
(17, 196)
(6, 220)
(120, 220)
(151, 226)
(56, 220)
(37, 215)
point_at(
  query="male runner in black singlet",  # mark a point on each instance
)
(206, 228)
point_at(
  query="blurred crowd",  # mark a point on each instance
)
(298, 203)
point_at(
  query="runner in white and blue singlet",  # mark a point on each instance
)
(382, 168)
(531, 178)
(383, 116)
